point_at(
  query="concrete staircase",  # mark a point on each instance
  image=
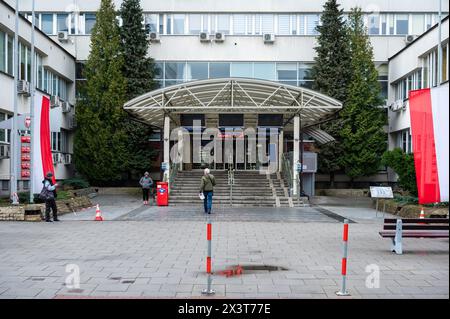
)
(251, 189)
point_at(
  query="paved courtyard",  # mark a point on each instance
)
(151, 252)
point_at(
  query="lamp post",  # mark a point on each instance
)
(14, 135)
(439, 49)
(33, 85)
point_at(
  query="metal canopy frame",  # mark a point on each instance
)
(233, 95)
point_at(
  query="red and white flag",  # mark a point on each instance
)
(429, 110)
(42, 153)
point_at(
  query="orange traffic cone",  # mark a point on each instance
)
(98, 214)
(422, 214)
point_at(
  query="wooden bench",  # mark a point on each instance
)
(396, 229)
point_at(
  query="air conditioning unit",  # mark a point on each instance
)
(269, 38)
(4, 151)
(67, 159)
(219, 37)
(153, 37)
(410, 38)
(403, 107)
(204, 37)
(54, 101)
(57, 158)
(72, 123)
(63, 36)
(66, 107)
(23, 88)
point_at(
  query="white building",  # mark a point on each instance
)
(55, 76)
(270, 40)
(414, 67)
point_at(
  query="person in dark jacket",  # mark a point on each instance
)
(146, 184)
(49, 189)
(207, 188)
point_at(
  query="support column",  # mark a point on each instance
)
(296, 156)
(180, 149)
(167, 146)
(280, 150)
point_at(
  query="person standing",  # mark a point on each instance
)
(49, 195)
(207, 188)
(146, 184)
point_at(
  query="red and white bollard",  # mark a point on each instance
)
(209, 291)
(343, 291)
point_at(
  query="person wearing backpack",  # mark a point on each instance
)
(48, 194)
(146, 183)
(207, 188)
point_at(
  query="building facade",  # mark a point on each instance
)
(270, 40)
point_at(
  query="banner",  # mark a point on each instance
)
(429, 110)
(42, 153)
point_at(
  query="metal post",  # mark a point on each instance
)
(439, 49)
(33, 85)
(209, 291)
(376, 209)
(343, 291)
(14, 135)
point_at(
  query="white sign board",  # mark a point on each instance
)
(381, 192)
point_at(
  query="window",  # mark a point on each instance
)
(242, 70)
(425, 72)
(402, 24)
(418, 22)
(151, 23)
(284, 24)
(304, 75)
(47, 23)
(73, 25)
(195, 23)
(197, 71)
(444, 62)
(89, 22)
(5, 134)
(25, 184)
(10, 55)
(374, 24)
(258, 21)
(405, 141)
(3, 44)
(56, 141)
(312, 21)
(5, 185)
(301, 30)
(239, 24)
(223, 23)
(62, 22)
(178, 23)
(267, 21)
(391, 24)
(22, 61)
(219, 70)
(383, 79)
(174, 70)
(384, 24)
(169, 24)
(428, 21)
(39, 71)
(287, 73)
(264, 70)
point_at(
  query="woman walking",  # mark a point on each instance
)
(146, 184)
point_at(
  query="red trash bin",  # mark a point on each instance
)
(162, 193)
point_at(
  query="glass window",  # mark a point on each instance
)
(223, 23)
(258, 21)
(62, 22)
(22, 64)
(293, 24)
(178, 23)
(47, 23)
(287, 72)
(249, 24)
(384, 24)
(169, 24)
(312, 21)
(267, 23)
(195, 23)
(161, 24)
(219, 70)
(301, 19)
(159, 70)
(151, 23)
(391, 24)
(284, 24)
(39, 71)
(89, 22)
(242, 70)
(2, 51)
(264, 70)
(10, 56)
(374, 24)
(72, 24)
(428, 21)
(418, 23)
(28, 64)
(174, 70)
(402, 23)
(239, 24)
(196, 71)
(444, 63)
(304, 71)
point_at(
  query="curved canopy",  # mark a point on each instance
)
(233, 95)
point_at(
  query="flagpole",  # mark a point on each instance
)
(14, 139)
(439, 49)
(33, 86)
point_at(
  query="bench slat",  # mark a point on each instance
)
(417, 220)
(417, 227)
(415, 234)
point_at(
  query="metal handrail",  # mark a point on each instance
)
(173, 173)
(231, 183)
(287, 172)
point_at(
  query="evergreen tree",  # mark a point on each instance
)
(331, 74)
(138, 71)
(362, 136)
(100, 140)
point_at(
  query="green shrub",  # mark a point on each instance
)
(403, 164)
(75, 183)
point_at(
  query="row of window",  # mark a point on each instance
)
(237, 24)
(46, 80)
(404, 140)
(291, 73)
(426, 76)
(5, 134)
(59, 141)
(6, 183)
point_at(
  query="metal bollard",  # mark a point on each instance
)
(209, 291)
(343, 291)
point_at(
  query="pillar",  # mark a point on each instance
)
(167, 146)
(296, 157)
(180, 149)
(280, 150)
